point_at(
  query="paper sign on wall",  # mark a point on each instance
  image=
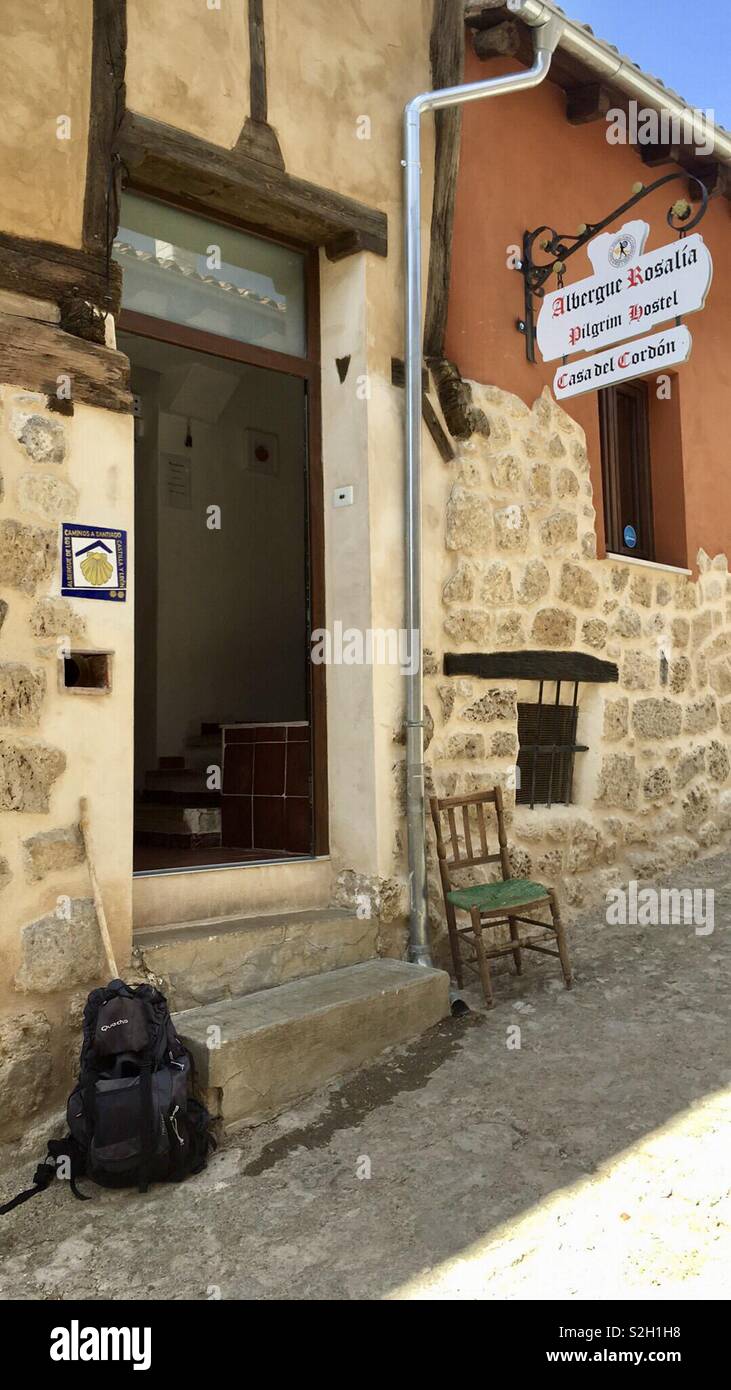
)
(630, 292)
(93, 562)
(178, 490)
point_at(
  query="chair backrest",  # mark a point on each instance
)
(464, 816)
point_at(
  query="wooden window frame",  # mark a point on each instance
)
(308, 369)
(639, 466)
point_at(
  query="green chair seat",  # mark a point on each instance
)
(510, 892)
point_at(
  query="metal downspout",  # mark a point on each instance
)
(546, 37)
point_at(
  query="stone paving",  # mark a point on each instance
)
(593, 1161)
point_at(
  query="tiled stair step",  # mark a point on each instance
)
(278, 1045)
(172, 840)
(178, 820)
(184, 779)
(201, 962)
(162, 796)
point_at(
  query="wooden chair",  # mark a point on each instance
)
(490, 904)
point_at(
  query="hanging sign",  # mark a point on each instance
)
(623, 363)
(630, 291)
(93, 562)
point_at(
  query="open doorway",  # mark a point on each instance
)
(226, 727)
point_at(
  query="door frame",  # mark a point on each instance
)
(308, 369)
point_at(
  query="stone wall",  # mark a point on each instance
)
(57, 745)
(511, 565)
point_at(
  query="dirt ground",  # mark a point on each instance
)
(592, 1161)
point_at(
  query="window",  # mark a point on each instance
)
(624, 418)
(547, 739)
(185, 269)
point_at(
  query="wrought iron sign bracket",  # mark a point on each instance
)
(554, 244)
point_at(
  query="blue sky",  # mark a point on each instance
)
(686, 43)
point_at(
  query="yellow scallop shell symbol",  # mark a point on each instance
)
(96, 568)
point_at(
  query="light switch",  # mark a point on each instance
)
(343, 497)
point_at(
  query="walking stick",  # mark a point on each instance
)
(98, 904)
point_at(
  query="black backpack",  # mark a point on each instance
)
(132, 1119)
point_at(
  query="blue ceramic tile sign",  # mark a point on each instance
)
(93, 562)
(630, 537)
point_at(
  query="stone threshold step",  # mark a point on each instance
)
(256, 1055)
(207, 927)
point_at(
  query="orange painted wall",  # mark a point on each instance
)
(522, 165)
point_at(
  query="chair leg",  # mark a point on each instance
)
(454, 943)
(482, 961)
(517, 953)
(563, 949)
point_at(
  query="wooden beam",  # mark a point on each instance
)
(455, 397)
(447, 70)
(715, 176)
(588, 102)
(101, 199)
(500, 41)
(161, 159)
(480, 14)
(398, 374)
(428, 413)
(35, 356)
(257, 61)
(64, 274)
(530, 666)
(433, 424)
(84, 282)
(258, 138)
(653, 156)
(259, 141)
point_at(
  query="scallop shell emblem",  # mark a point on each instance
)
(96, 569)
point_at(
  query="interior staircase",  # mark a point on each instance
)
(175, 809)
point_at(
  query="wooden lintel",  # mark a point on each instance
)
(530, 666)
(588, 102)
(170, 162)
(447, 70)
(36, 356)
(349, 243)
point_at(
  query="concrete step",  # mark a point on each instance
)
(256, 1055)
(224, 957)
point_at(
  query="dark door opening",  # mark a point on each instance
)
(222, 331)
(223, 722)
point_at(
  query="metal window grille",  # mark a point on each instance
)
(547, 739)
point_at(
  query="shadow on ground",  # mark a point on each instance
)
(495, 1171)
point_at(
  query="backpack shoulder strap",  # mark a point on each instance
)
(46, 1172)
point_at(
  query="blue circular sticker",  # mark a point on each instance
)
(630, 537)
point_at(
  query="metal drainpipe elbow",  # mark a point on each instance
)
(547, 25)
